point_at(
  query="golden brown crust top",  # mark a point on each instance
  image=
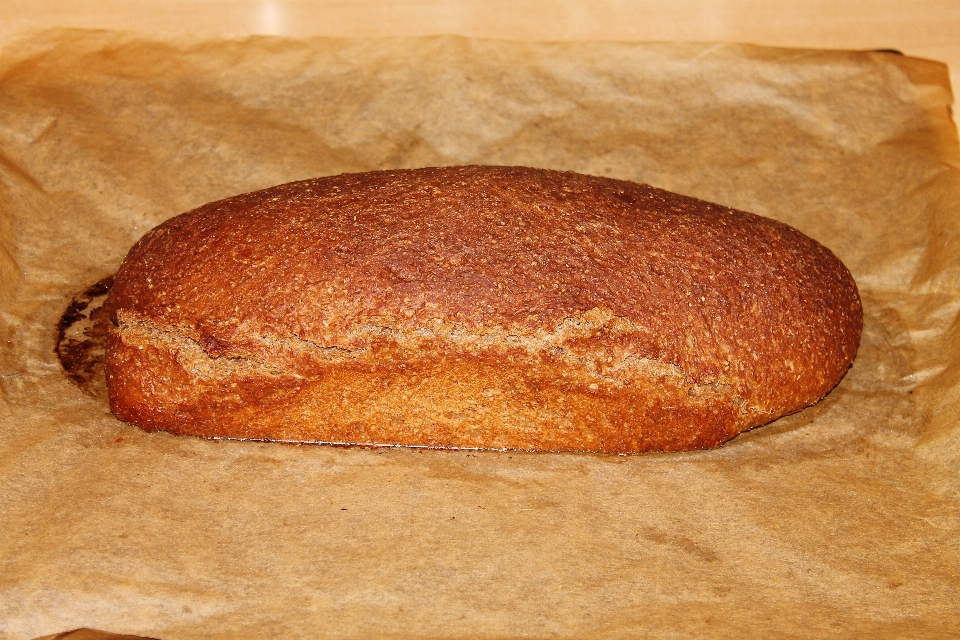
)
(727, 296)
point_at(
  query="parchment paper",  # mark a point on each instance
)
(842, 520)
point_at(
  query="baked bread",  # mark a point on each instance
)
(476, 307)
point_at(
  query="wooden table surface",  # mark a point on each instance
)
(924, 28)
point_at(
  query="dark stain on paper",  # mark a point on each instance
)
(82, 339)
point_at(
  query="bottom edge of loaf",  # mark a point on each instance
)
(426, 447)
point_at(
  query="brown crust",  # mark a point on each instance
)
(500, 307)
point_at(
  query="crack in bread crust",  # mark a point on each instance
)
(466, 393)
(291, 355)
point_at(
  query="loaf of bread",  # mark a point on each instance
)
(476, 307)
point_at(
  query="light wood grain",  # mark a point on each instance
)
(924, 28)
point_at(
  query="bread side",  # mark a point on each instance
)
(484, 307)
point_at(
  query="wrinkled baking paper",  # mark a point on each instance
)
(842, 519)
